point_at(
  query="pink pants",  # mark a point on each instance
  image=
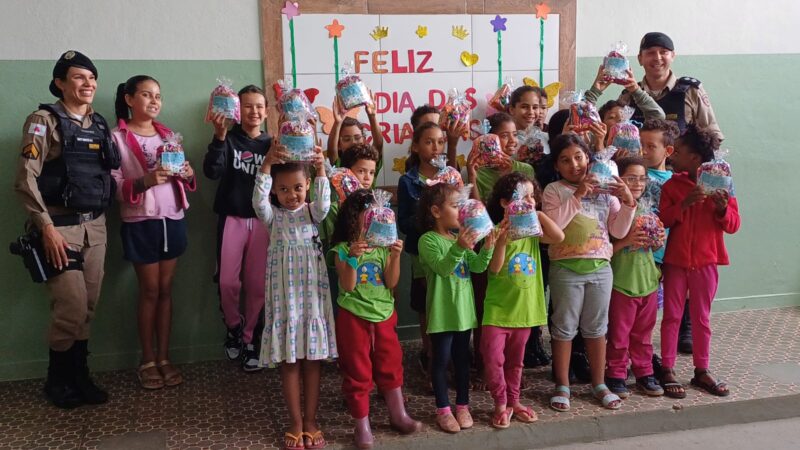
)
(702, 286)
(243, 257)
(630, 330)
(502, 350)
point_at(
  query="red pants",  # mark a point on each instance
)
(630, 330)
(503, 350)
(368, 352)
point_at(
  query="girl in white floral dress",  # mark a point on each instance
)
(299, 331)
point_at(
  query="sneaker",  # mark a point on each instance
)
(650, 386)
(617, 386)
(250, 359)
(233, 343)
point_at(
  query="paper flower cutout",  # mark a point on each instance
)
(542, 10)
(469, 59)
(421, 31)
(334, 29)
(379, 33)
(291, 10)
(498, 23)
(460, 32)
(399, 165)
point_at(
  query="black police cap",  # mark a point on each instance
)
(656, 39)
(70, 58)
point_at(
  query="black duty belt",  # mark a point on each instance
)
(66, 220)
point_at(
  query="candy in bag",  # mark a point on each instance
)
(344, 182)
(171, 154)
(224, 100)
(522, 218)
(380, 226)
(501, 99)
(472, 214)
(487, 151)
(646, 220)
(715, 175)
(293, 103)
(299, 138)
(351, 90)
(582, 114)
(616, 64)
(455, 110)
(533, 145)
(604, 169)
(446, 174)
(625, 134)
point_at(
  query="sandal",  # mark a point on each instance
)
(672, 388)
(610, 400)
(560, 399)
(502, 420)
(172, 376)
(152, 381)
(525, 414)
(295, 439)
(317, 437)
(718, 388)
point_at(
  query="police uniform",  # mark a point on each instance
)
(63, 178)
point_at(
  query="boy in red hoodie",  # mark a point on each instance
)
(695, 248)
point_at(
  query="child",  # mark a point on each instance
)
(634, 300)
(528, 106)
(366, 322)
(234, 158)
(694, 250)
(348, 132)
(447, 261)
(298, 326)
(152, 205)
(427, 143)
(454, 131)
(640, 97)
(514, 302)
(611, 113)
(580, 276)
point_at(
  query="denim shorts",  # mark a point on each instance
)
(154, 240)
(579, 301)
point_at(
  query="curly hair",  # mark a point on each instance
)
(497, 119)
(358, 152)
(416, 116)
(348, 227)
(564, 142)
(516, 96)
(701, 141)
(669, 131)
(432, 196)
(412, 162)
(504, 190)
(629, 161)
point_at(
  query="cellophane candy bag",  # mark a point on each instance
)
(533, 145)
(344, 182)
(351, 90)
(293, 103)
(582, 114)
(172, 156)
(472, 214)
(487, 151)
(625, 134)
(446, 174)
(456, 110)
(501, 99)
(715, 175)
(604, 169)
(380, 226)
(522, 218)
(224, 100)
(646, 220)
(616, 64)
(299, 138)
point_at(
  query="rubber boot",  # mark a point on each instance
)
(362, 433)
(88, 391)
(685, 332)
(399, 419)
(59, 386)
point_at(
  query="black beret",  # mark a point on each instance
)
(656, 39)
(70, 58)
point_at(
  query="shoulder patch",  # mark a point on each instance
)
(30, 151)
(37, 129)
(693, 82)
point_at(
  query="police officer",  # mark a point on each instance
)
(683, 100)
(64, 183)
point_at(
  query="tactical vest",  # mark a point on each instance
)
(674, 103)
(80, 178)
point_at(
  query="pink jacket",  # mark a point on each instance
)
(133, 167)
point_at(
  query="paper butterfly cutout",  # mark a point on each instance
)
(551, 89)
(326, 117)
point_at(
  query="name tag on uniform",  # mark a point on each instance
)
(94, 146)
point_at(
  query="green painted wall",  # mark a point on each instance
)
(751, 95)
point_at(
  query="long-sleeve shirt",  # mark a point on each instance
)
(641, 98)
(264, 209)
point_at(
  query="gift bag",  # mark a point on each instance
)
(446, 174)
(487, 151)
(522, 218)
(351, 90)
(582, 114)
(455, 110)
(616, 65)
(625, 135)
(299, 138)
(604, 169)
(646, 220)
(472, 214)
(501, 99)
(344, 182)
(533, 145)
(224, 100)
(293, 103)
(380, 226)
(715, 175)
(171, 153)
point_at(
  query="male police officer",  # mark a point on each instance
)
(64, 183)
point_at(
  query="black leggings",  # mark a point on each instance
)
(455, 343)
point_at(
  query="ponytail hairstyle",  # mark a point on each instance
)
(497, 119)
(516, 96)
(129, 87)
(504, 190)
(348, 227)
(412, 162)
(700, 141)
(431, 196)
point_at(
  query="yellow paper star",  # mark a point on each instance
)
(400, 165)
(422, 31)
(542, 10)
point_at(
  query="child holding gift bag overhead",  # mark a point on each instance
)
(298, 315)
(153, 202)
(695, 248)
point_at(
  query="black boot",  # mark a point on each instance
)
(579, 364)
(538, 349)
(59, 386)
(89, 391)
(685, 332)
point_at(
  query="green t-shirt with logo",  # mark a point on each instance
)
(635, 272)
(486, 178)
(371, 300)
(515, 295)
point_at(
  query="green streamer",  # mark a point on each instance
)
(336, 57)
(499, 59)
(541, 53)
(294, 65)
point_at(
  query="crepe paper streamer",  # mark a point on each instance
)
(542, 10)
(421, 31)
(499, 25)
(292, 10)
(335, 32)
